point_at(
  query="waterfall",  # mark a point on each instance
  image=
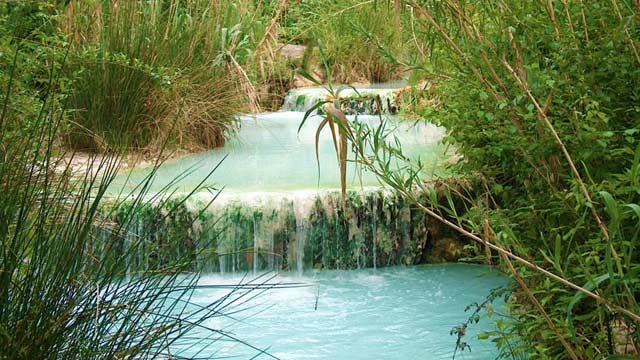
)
(359, 100)
(374, 236)
(271, 233)
(277, 211)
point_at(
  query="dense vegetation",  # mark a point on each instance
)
(65, 292)
(137, 72)
(350, 32)
(133, 74)
(541, 100)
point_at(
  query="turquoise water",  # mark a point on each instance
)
(390, 313)
(268, 154)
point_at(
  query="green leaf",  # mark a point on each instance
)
(589, 285)
(635, 208)
(308, 113)
(305, 74)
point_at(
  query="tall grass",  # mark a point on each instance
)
(137, 67)
(65, 292)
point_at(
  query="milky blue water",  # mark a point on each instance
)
(270, 154)
(390, 313)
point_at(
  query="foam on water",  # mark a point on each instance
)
(392, 313)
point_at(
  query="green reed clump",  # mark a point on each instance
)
(343, 28)
(65, 287)
(141, 69)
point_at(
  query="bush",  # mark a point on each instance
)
(542, 103)
(27, 33)
(138, 69)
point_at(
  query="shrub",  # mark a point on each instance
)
(541, 100)
(138, 68)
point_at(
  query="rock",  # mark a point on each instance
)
(292, 52)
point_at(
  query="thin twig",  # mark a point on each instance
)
(537, 304)
(405, 193)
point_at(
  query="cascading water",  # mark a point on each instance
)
(295, 231)
(280, 210)
(362, 100)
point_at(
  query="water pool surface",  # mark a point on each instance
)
(389, 313)
(269, 154)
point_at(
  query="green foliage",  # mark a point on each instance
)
(30, 19)
(138, 69)
(134, 69)
(27, 32)
(507, 78)
(343, 28)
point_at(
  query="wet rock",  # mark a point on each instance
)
(376, 229)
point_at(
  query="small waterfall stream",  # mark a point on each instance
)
(361, 100)
(277, 211)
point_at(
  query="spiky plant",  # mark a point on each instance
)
(65, 289)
